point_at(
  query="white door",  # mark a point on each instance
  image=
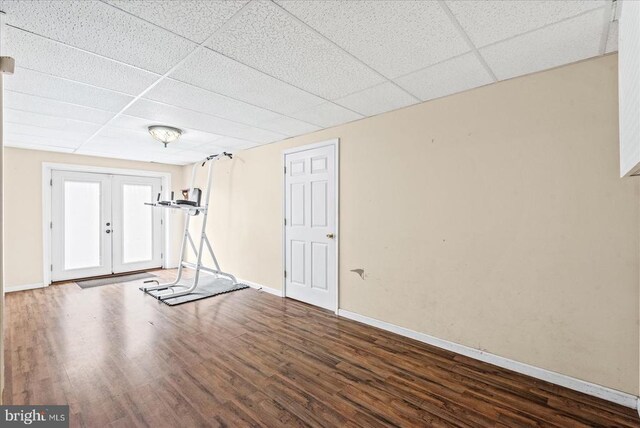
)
(137, 241)
(101, 226)
(80, 226)
(310, 226)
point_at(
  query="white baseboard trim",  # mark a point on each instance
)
(261, 287)
(12, 288)
(613, 395)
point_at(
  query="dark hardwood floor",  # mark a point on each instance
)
(120, 358)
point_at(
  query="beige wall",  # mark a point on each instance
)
(493, 218)
(23, 208)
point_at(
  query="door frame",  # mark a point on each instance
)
(49, 167)
(335, 142)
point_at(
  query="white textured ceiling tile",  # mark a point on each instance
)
(100, 28)
(44, 55)
(34, 104)
(195, 98)
(163, 114)
(612, 38)
(35, 119)
(34, 83)
(558, 44)
(451, 76)
(192, 97)
(208, 149)
(393, 37)
(217, 73)
(257, 135)
(193, 19)
(230, 143)
(490, 21)
(288, 126)
(112, 141)
(66, 138)
(190, 138)
(268, 39)
(327, 115)
(376, 100)
(32, 146)
(49, 142)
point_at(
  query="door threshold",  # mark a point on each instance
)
(113, 275)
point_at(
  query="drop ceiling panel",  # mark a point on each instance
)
(259, 135)
(270, 40)
(288, 126)
(451, 76)
(34, 83)
(208, 149)
(195, 20)
(157, 113)
(327, 115)
(552, 46)
(194, 98)
(57, 137)
(44, 55)
(12, 117)
(217, 73)
(28, 143)
(34, 104)
(121, 141)
(378, 99)
(231, 144)
(102, 29)
(490, 21)
(13, 139)
(393, 37)
(190, 138)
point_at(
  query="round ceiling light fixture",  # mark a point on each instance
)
(165, 134)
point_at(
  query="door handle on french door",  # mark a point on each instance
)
(330, 235)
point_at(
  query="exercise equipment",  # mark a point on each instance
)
(191, 206)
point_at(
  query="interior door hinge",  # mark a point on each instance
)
(51, 268)
(285, 221)
(285, 170)
(285, 273)
(51, 182)
(161, 255)
(50, 225)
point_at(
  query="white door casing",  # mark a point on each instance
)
(81, 209)
(310, 225)
(100, 225)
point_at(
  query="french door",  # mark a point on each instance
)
(101, 226)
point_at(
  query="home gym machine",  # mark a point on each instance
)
(182, 291)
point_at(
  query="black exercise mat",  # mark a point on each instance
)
(208, 286)
(115, 279)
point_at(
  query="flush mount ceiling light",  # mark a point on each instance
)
(165, 134)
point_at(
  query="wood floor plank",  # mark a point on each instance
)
(120, 358)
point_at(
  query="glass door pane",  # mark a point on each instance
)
(137, 223)
(82, 212)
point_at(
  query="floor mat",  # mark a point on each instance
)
(116, 279)
(208, 286)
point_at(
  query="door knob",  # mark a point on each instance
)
(108, 231)
(330, 235)
(108, 224)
